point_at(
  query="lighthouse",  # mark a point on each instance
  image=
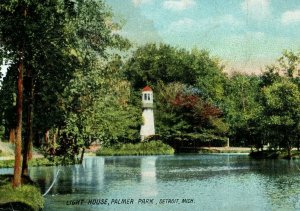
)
(147, 128)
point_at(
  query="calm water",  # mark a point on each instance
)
(209, 182)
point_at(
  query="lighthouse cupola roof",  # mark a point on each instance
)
(147, 89)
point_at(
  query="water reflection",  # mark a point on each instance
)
(282, 186)
(182, 167)
(148, 172)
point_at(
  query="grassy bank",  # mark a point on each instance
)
(27, 197)
(279, 154)
(37, 162)
(145, 148)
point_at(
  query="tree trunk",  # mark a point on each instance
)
(298, 143)
(289, 153)
(12, 135)
(28, 137)
(30, 148)
(38, 138)
(54, 137)
(47, 137)
(53, 142)
(82, 155)
(289, 148)
(18, 145)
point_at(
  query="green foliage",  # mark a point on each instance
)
(89, 32)
(270, 76)
(144, 148)
(91, 106)
(261, 109)
(289, 64)
(152, 63)
(8, 100)
(188, 86)
(97, 107)
(283, 98)
(282, 112)
(65, 47)
(28, 195)
(220, 126)
(168, 120)
(242, 108)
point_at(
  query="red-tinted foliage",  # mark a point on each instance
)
(210, 111)
(202, 110)
(185, 101)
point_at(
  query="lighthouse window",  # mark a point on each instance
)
(148, 96)
(145, 96)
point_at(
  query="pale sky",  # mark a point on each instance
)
(245, 34)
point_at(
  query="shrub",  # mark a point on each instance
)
(144, 148)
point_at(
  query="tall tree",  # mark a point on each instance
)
(50, 40)
(242, 108)
(13, 43)
(282, 112)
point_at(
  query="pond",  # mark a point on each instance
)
(179, 182)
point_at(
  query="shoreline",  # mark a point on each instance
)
(232, 150)
(203, 150)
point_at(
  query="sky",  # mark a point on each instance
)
(246, 35)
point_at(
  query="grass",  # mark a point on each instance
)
(144, 148)
(26, 197)
(37, 162)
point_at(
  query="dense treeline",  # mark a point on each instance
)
(193, 95)
(265, 109)
(67, 86)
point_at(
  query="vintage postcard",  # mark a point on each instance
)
(150, 105)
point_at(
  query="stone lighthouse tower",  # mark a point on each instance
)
(147, 128)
